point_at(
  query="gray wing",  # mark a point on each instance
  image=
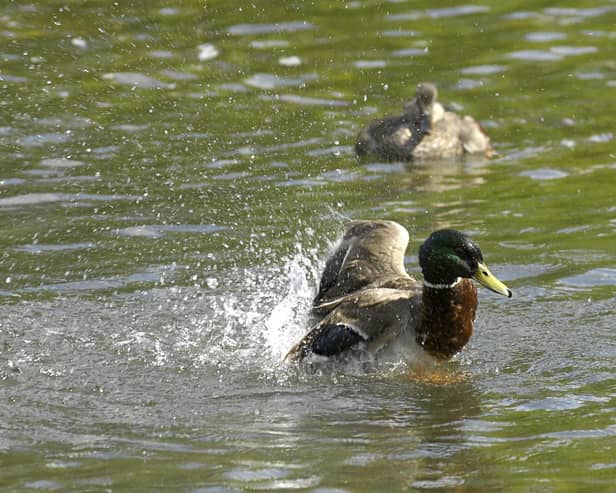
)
(370, 317)
(393, 138)
(371, 253)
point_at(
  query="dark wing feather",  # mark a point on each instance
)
(326, 340)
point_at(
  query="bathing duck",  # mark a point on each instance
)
(424, 131)
(394, 137)
(367, 301)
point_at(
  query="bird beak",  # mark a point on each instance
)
(485, 277)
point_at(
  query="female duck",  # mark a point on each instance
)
(424, 131)
(395, 137)
(368, 301)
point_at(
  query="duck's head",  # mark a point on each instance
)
(426, 95)
(448, 254)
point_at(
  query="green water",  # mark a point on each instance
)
(165, 208)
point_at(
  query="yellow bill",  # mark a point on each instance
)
(485, 277)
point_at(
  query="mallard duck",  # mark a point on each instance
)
(394, 137)
(368, 301)
(424, 131)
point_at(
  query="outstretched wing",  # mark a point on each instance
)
(371, 253)
(371, 316)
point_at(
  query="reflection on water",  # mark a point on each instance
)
(171, 180)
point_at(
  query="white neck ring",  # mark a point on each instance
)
(442, 286)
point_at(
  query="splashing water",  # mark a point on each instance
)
(289, 316)
(250, 324)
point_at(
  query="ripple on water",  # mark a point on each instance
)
(271, 81)
(339, 176)
(290, 61)
(483, 70)
(544, 174)
(216, 489)
(162, 54)
(271, 478)
(363, 459)
(125, 127)
(222, 163)
(41, 248)
(45, 198)
(439, 12)
(575, 229)
(590, 75)
(465, 84)
(66, 121)
(575, 12)
(61, 162)
(15, 79)
(177, 75)
(511, 272)
(256, 474)
(385, 167)
(42, 139)
(233, 87)
(157, 231)
(410, 52)
(12, 181)
(136, 79)
(232, 175)
(457, 11)
(44, 173)
(335, 150)
(400, 34)
(270, 43)
(300, 182)
(169, 11)
(555, 53)
(545, 37)
(247, 29)
(367, 64)
(153, 274)
(564, 403)
(534, 56)
(329, 490)
(304, 100)
(598, 138)
(595, 277)
(44, 484)
(445, 482)
(573, 50)
(523, 153)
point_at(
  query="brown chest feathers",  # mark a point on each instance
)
(447, 319)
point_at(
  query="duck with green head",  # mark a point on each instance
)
(368, 301)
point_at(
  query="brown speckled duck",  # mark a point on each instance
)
(368, 301)
(424, 131)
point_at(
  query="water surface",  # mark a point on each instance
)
(171, 179)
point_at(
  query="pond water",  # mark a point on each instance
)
(172, 176)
